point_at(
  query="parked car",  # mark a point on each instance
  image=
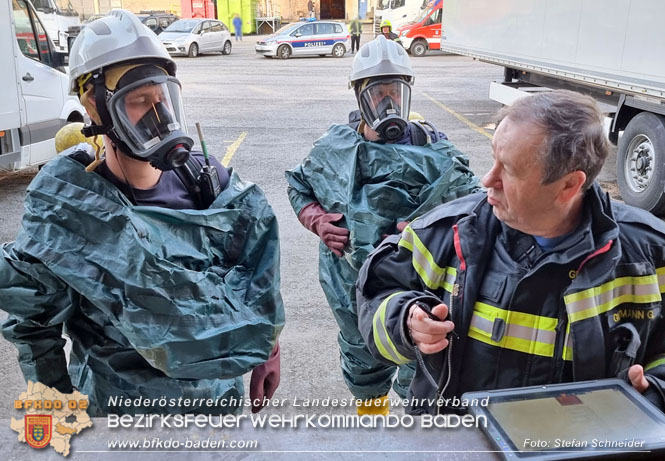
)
(191, 37)
(309, 38)
(156, 21)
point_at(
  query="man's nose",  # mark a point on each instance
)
(491, 179)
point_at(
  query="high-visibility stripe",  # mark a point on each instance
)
(381, 338)
(655, 363)
(660, 272)
(432, 275)
(528, 333)
(598, 300)
(568, 345)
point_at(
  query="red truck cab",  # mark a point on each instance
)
(424, 32)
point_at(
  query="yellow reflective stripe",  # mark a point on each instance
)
(381, 338)
(432, 275)
(655, 363)
(528, 333)
(568, 345)
(660, 272)
(598, 300)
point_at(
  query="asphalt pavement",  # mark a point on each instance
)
(262, 116)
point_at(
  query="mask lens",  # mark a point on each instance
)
(384, 99)
(146, 114)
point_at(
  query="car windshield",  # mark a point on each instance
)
(60, 6)
(184, 25)
(423, 14)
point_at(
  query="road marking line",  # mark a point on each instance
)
(232, 149)
(461, 118)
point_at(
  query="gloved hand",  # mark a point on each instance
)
(317, 220)
(265, 380)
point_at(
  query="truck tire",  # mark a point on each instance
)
(641, 162)
(419, 47)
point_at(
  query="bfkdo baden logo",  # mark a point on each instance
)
(50, 418)
(38, 430)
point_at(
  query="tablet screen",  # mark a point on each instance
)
(605, 418)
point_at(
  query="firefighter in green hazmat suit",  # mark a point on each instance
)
(362, 181)
(168, 294)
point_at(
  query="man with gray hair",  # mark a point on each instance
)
(540, 279)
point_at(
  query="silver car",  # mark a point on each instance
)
(191, 37)
(306, 38)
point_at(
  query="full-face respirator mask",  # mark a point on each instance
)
(144, 117)
(385, 104)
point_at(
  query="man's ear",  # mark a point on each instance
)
(570, 185)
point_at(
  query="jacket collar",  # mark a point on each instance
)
(598, 229)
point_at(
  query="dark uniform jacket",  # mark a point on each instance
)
(587, 309)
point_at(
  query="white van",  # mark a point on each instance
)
(57, 17)
(35, 101)
(398, 12)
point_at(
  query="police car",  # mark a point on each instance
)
(306, 38)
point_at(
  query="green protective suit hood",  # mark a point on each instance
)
(377, 185)
(158, 302)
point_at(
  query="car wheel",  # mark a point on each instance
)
(193, 50)
(284, 52)
(641, 163)
(338, 50)
(227, 48)
(419, 48)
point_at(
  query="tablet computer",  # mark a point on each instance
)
(588, 419)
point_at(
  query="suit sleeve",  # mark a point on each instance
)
(299, 190)
(38, 304)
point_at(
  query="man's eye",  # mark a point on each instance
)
(137, 101)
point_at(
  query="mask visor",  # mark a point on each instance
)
(147, 114)
(385, 99)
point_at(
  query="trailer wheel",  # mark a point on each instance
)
(641, 162)
(419, 47)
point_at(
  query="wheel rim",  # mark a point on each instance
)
(227, 48)
(285, 53)
(638, 167)
(338, 51)
(195, 50)
(418, 49)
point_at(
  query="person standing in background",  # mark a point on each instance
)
(237, 25)
(355, 28)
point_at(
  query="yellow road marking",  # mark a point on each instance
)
(232, 149)
(461, 118)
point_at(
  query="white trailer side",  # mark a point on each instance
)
(610, 49)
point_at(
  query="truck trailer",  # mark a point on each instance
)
(609, 49)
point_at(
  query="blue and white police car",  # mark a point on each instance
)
(306, 38)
